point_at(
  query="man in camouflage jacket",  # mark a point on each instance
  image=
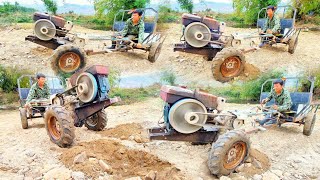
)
(282, 101)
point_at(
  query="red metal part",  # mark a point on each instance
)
(56, 20)
(98, 69)
(171, 94)
(95, 69)
(208, 21)
(85, 111)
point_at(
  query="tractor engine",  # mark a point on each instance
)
(198, 31)
(87, 94)
(91, 84)
(47, 27)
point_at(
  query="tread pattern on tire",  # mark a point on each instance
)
(102, 121)
(23, 117)
(152, 52)
(309, 123)
(66, 122)
(221, 146)
(219, 59)
(58, 53)
(293, 42)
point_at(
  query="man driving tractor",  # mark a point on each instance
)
(282, 101)
(39, 90)
(134, 28)
(272, 24)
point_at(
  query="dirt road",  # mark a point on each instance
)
(26, 154)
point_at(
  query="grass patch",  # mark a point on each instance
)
(8, 98)
(133, 95)
(91, 22)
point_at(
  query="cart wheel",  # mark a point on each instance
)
(59, 126)
(67, 59)
(23, 116)
(309, 122)
(97, 122)
(228, 152)
(154, 51)
(227, 64)
(293, 42)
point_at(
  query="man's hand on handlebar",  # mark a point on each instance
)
(264, 101)
(139, 45)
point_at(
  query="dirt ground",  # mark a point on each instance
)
(283, 153)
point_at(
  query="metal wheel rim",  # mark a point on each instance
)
(192, 29)
(230, 66)
(92, 121)
(89, 80)
(179, 109)
(235, 155)
(51, 29)
(69, 62)
(54, 128)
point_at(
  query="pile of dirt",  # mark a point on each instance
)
(251, 70)
(132, 131)
(257, 163)
(124, 162)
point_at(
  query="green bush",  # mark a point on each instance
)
(248, 91)
(114, 78)
(8, 79)
(167, 15)
(168, 77)
(14, 13)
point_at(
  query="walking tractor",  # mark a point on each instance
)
(198, 117)
(83, 103)
(205, 36)
(70, 54)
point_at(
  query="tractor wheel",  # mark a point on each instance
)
(97, 122)
(227, 64)
(23, 116)
(59, 125)
(67, 59)
(228, 152)
(293, 42)
(309, 122)
(154, 51)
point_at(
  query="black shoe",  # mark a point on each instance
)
(112, 47)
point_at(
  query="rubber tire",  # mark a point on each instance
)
(309, 122)
(220, 148)
(152, 57)
(219, 59)
(23, 117)
(66, 122)
(293, 42)
(102, 121)
(54, 59)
